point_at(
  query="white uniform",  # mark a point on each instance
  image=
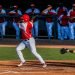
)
(28, 41)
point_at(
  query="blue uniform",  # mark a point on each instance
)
(15, 25)
(3, 23)
(49, 22)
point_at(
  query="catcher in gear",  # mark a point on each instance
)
(66, 50)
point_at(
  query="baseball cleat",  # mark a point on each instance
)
(21, 64)
(44, 65)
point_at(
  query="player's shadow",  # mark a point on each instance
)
(61, 64)
(49, 64)
(8, 65)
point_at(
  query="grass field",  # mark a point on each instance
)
(9, 53)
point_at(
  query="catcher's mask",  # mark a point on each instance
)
(25, 17)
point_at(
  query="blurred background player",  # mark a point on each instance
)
(60, 11)
(71, 15)
(3, 21)
(33, 11)
(64, 26)
(49, 20)
(16, 12)
(27, 40)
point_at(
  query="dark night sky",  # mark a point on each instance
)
(39, 3)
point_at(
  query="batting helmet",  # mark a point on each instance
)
(25, 17)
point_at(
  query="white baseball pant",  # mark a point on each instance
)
(31, 45)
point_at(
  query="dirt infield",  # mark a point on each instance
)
(35, 68)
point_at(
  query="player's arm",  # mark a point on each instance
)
(46, 10)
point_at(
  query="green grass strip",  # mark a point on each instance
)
(7, 53)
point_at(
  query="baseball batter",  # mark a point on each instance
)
(28, 41)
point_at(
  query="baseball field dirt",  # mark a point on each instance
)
(54, 67)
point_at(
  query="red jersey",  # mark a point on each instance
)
(50, 18)
(26, 29)
(60, 11)
(72, 14)
(64, 20)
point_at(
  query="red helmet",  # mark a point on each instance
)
(25, 17)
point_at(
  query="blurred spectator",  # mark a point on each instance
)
(49, 20)
(16, 13)
(3, 21)
(60, 10)
(33, 11)
(71, 15)
(64, 26)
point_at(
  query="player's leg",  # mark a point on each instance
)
(48, 29)
(36, 28)
(19, 49)
(4, 27)
(59, 31)
(71, 25)
(17, 30)
(1, 33)
(33, 50)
